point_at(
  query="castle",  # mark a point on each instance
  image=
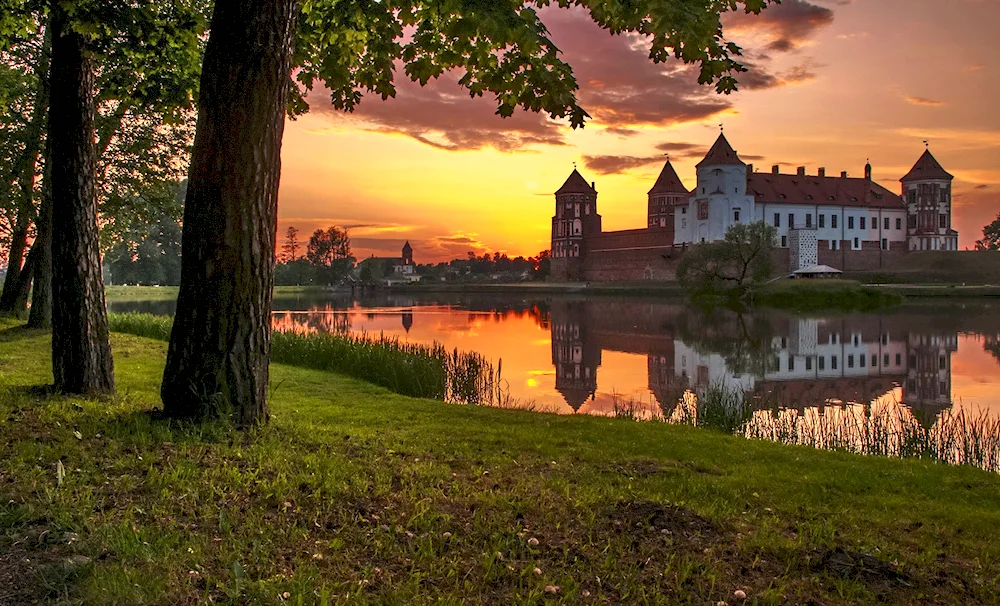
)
(852, 224)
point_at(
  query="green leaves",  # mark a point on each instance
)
(500, 47)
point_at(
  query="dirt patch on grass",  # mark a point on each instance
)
(626, 516)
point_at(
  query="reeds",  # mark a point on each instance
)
(423, 371)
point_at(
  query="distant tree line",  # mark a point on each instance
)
(327, 258)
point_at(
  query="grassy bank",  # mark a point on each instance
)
(169, 293)
(818, 295)
(423, 371)
(356, 495)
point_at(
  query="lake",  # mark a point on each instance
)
(589, 355)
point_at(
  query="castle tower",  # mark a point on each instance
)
(575, 219)
(927, 192)
(668, 193)
(719, 200)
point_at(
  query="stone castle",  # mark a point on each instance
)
(849, 223)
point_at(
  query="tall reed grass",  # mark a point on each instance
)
(889, 429)
(423, 371)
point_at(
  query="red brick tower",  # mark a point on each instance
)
(667, 194)
(575, 220)
(927, 193)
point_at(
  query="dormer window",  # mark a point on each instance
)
(809, 197)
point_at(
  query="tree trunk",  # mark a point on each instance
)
(18, 244)
(26, 163)
(41, 293)
(217, 361)
(81, 352)
(23, 287)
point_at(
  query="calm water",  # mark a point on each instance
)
(573, 354)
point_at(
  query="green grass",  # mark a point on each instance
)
(355, 495)
(971, 267)
(169, 293)
(817, 295)
(424, 371)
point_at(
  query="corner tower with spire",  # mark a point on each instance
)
(667, 194)
(927, 194)
(575, 221)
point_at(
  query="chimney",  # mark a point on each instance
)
(802, 171)
(822, 172)
(593, 185)
(843, 175)
(749, 169)
(774, 169)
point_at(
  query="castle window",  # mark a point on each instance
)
(822, 362)
(886, 223)
(833, 221)
(703, 210)
(864, 222)
(809, 220)
(833, 362)
(899, 359)
(822, 221)
(777, 219)
(899, 223)
(784, 241)
(912, 196)
(942, 221)
(834, 244)
(577, 210)
(736, 215)
(857, 244)
(861, 360)
(885, 360)
(809, 363)
(586, 209)
(791, 220)
(850, 222)
(684, 210)
(791, 364)
(885, 244)
(850, 361)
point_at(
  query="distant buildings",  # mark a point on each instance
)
(843, 222)
(391, 270)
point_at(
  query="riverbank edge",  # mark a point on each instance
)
(352, 489)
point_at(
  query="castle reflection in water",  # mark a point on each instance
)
(797, 362)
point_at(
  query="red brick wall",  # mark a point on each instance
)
(658, 264)
(631, 238)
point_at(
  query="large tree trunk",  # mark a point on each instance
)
(26, 163)
(41, 293)
(81, 352)
(217, 362)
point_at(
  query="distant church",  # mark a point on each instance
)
(847, 223)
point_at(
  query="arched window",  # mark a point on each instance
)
(577, 227)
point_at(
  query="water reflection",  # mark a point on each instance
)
(577, 355)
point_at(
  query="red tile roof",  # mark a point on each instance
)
(769, 188)
(721, 154)
(668, 182)
(927, 167)
(576, 184)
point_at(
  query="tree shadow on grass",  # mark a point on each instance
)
(17, 333)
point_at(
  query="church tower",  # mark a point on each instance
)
(574, 221)
(668, 193)
(927, 192)
(407, 251)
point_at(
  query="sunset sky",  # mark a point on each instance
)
(832, 83)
